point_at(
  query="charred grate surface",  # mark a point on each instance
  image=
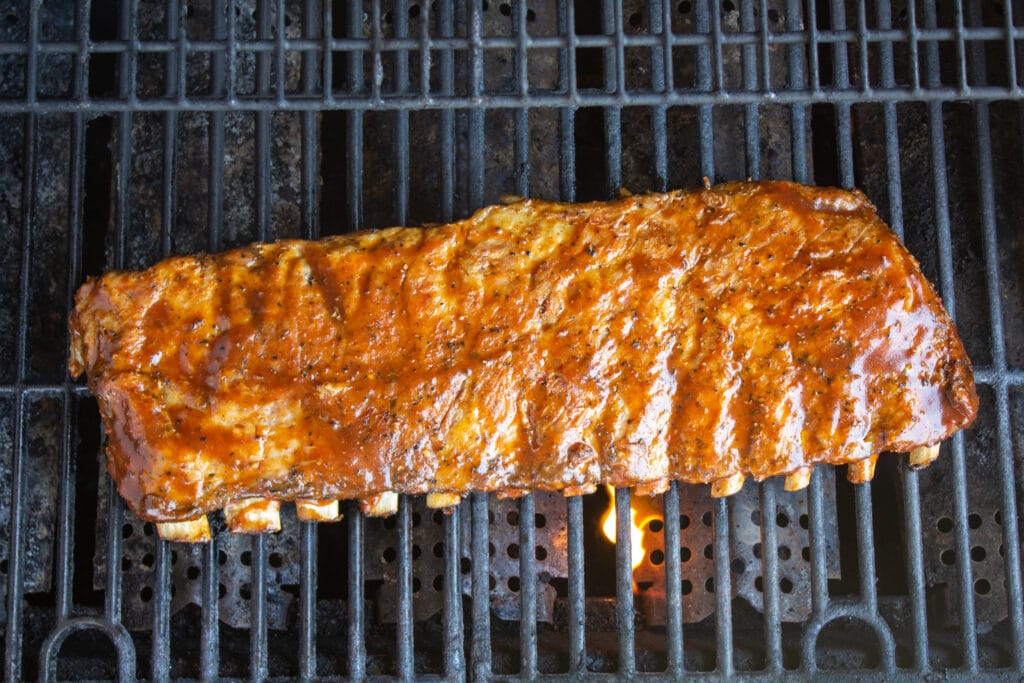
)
(136, 129)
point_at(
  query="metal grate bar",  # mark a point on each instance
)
(160, 664)
(567, 115)
(160, 653)
(661, 77)
(909, 478)
(625, 619)
(445, 29)
(862, 48)
(915, 567)
(704, 83)
(752, 133)
(527, 589)
(216, 133)
(310, 230)
(376, 58)
(522, 116)
(577, 597)
(913, 50)
(1011, 52)
(112, 588)
(718, 69)
(403, 526)
(327, 56)
(770, 579)
(723, 590)
(494, 42)
(541, 99)
(209, 637)
(401, 19)
(356, 585)
(969, 641)
(307, 600)
(279, 40)
(13, 636)
(66, 494)
(263, 127)
(128, 28)
(673, 584)
(354, 131)
(986, 183)
(797, 80)
(819, 572)
(766, 65)
(813, 38)
(65, 566)
(866, 547)
(611, 17)
(454, 647)
(476, 115)
(961, 56)
(481, 644)
(258, 609)
(175, 31)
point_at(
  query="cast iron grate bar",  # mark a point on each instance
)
(986, 183)
(969, 638)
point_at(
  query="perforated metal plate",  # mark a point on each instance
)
(234, 553)
(428, 550)
(696, 522)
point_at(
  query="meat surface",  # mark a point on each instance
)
(753, 328)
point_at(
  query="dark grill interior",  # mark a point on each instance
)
(138, 129)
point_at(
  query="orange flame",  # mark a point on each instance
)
(608, 524)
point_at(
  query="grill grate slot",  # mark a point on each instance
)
(141, 129)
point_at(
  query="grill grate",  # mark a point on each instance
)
(140, 129)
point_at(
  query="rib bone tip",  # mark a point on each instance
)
(655, 488)
(578, 490)
(381, 505)
(190, 531)
(922, 456)
(727, 486)
(317, 510)
(442, 501)
(253, 516)
(862, 471)
(797, 480)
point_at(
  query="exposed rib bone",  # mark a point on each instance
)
(578, 489)
(190, 531)
(317, 511)
(253, 516)
(442, 501)
(654, 488)
(797, 479)
(862, 471)
(723, 488)
(382, 505)
(922, 456)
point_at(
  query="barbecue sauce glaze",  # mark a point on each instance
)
(753, 327)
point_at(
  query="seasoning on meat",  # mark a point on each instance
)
(753, 328)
